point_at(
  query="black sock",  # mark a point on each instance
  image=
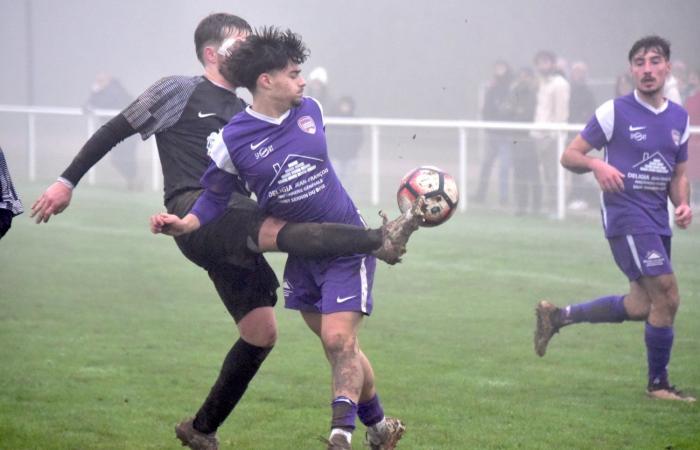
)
(327, 239)
(240, 366)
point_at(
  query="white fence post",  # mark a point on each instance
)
(31, 144)
(375, 164)
(91, 127)
(463, 169)
(561, 185)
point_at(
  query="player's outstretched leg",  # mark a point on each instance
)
(548, 324)
(194, 439)
(396, 232)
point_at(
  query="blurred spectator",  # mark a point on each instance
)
(344, 142)
(498, 142)
(10, 204)
(692, 105)
(552, 106)
(108, 93)
(675, 86)
(317, 86)
(582, 105)
(693, 84)
(623, 85)
(526, 167)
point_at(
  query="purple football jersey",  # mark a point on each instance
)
(284, 162)
(645, 144)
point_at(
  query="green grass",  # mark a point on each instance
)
(109, 337)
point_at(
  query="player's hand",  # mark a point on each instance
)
(172, 225)
(169, 224)
(53, 201)
(609, 178)
(683, 216)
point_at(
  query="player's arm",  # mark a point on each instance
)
(679, 193)
(575, 158)
(57, 197)
(218, 187)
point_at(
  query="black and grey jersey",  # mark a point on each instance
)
(9, 199)
(182, 112)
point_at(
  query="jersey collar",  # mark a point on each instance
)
(218, 85)
(263, 117)
(658, 110)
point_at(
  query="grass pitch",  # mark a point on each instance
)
(109, 337)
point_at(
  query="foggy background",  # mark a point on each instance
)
(396, 58)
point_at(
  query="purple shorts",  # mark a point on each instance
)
(642, 255)
(329, 285)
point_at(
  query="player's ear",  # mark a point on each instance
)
(209, 55)
(264, 80)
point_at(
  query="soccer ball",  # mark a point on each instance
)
(439, 189)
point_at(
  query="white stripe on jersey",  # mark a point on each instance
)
(686, 134)
(633, 249)
(363, 286)
(218, 152)
(320, 107)
(604, 211)
(605, 114)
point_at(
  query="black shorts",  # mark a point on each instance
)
(243, 278)
(5, 221)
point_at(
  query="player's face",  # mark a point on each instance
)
(649, 69)
(288, 85)
(544, 66)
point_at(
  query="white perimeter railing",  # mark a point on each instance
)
(462, 127)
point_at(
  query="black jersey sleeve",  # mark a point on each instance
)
(99, 144)
(161, 105)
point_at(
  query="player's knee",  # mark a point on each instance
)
(265, 337)
(267, 233)
(668, 298)
(259, 327)
(337, 342)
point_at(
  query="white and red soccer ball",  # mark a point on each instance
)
(438, 187)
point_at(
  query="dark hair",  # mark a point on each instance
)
(214, 29)
(267, 50)
(651, 43)
(545, 54)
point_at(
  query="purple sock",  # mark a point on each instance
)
(344, 412)
(604, 309)
(370, 412)
(659, 341)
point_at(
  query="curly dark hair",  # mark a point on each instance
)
(651, 43)
(268, 49)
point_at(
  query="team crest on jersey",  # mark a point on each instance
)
(307, 124)
(676, 136)
(653, 259)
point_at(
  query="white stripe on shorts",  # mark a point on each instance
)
(363, 287)
(633, 249)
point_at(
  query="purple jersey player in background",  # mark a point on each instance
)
(645, 137)
(277, 146)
